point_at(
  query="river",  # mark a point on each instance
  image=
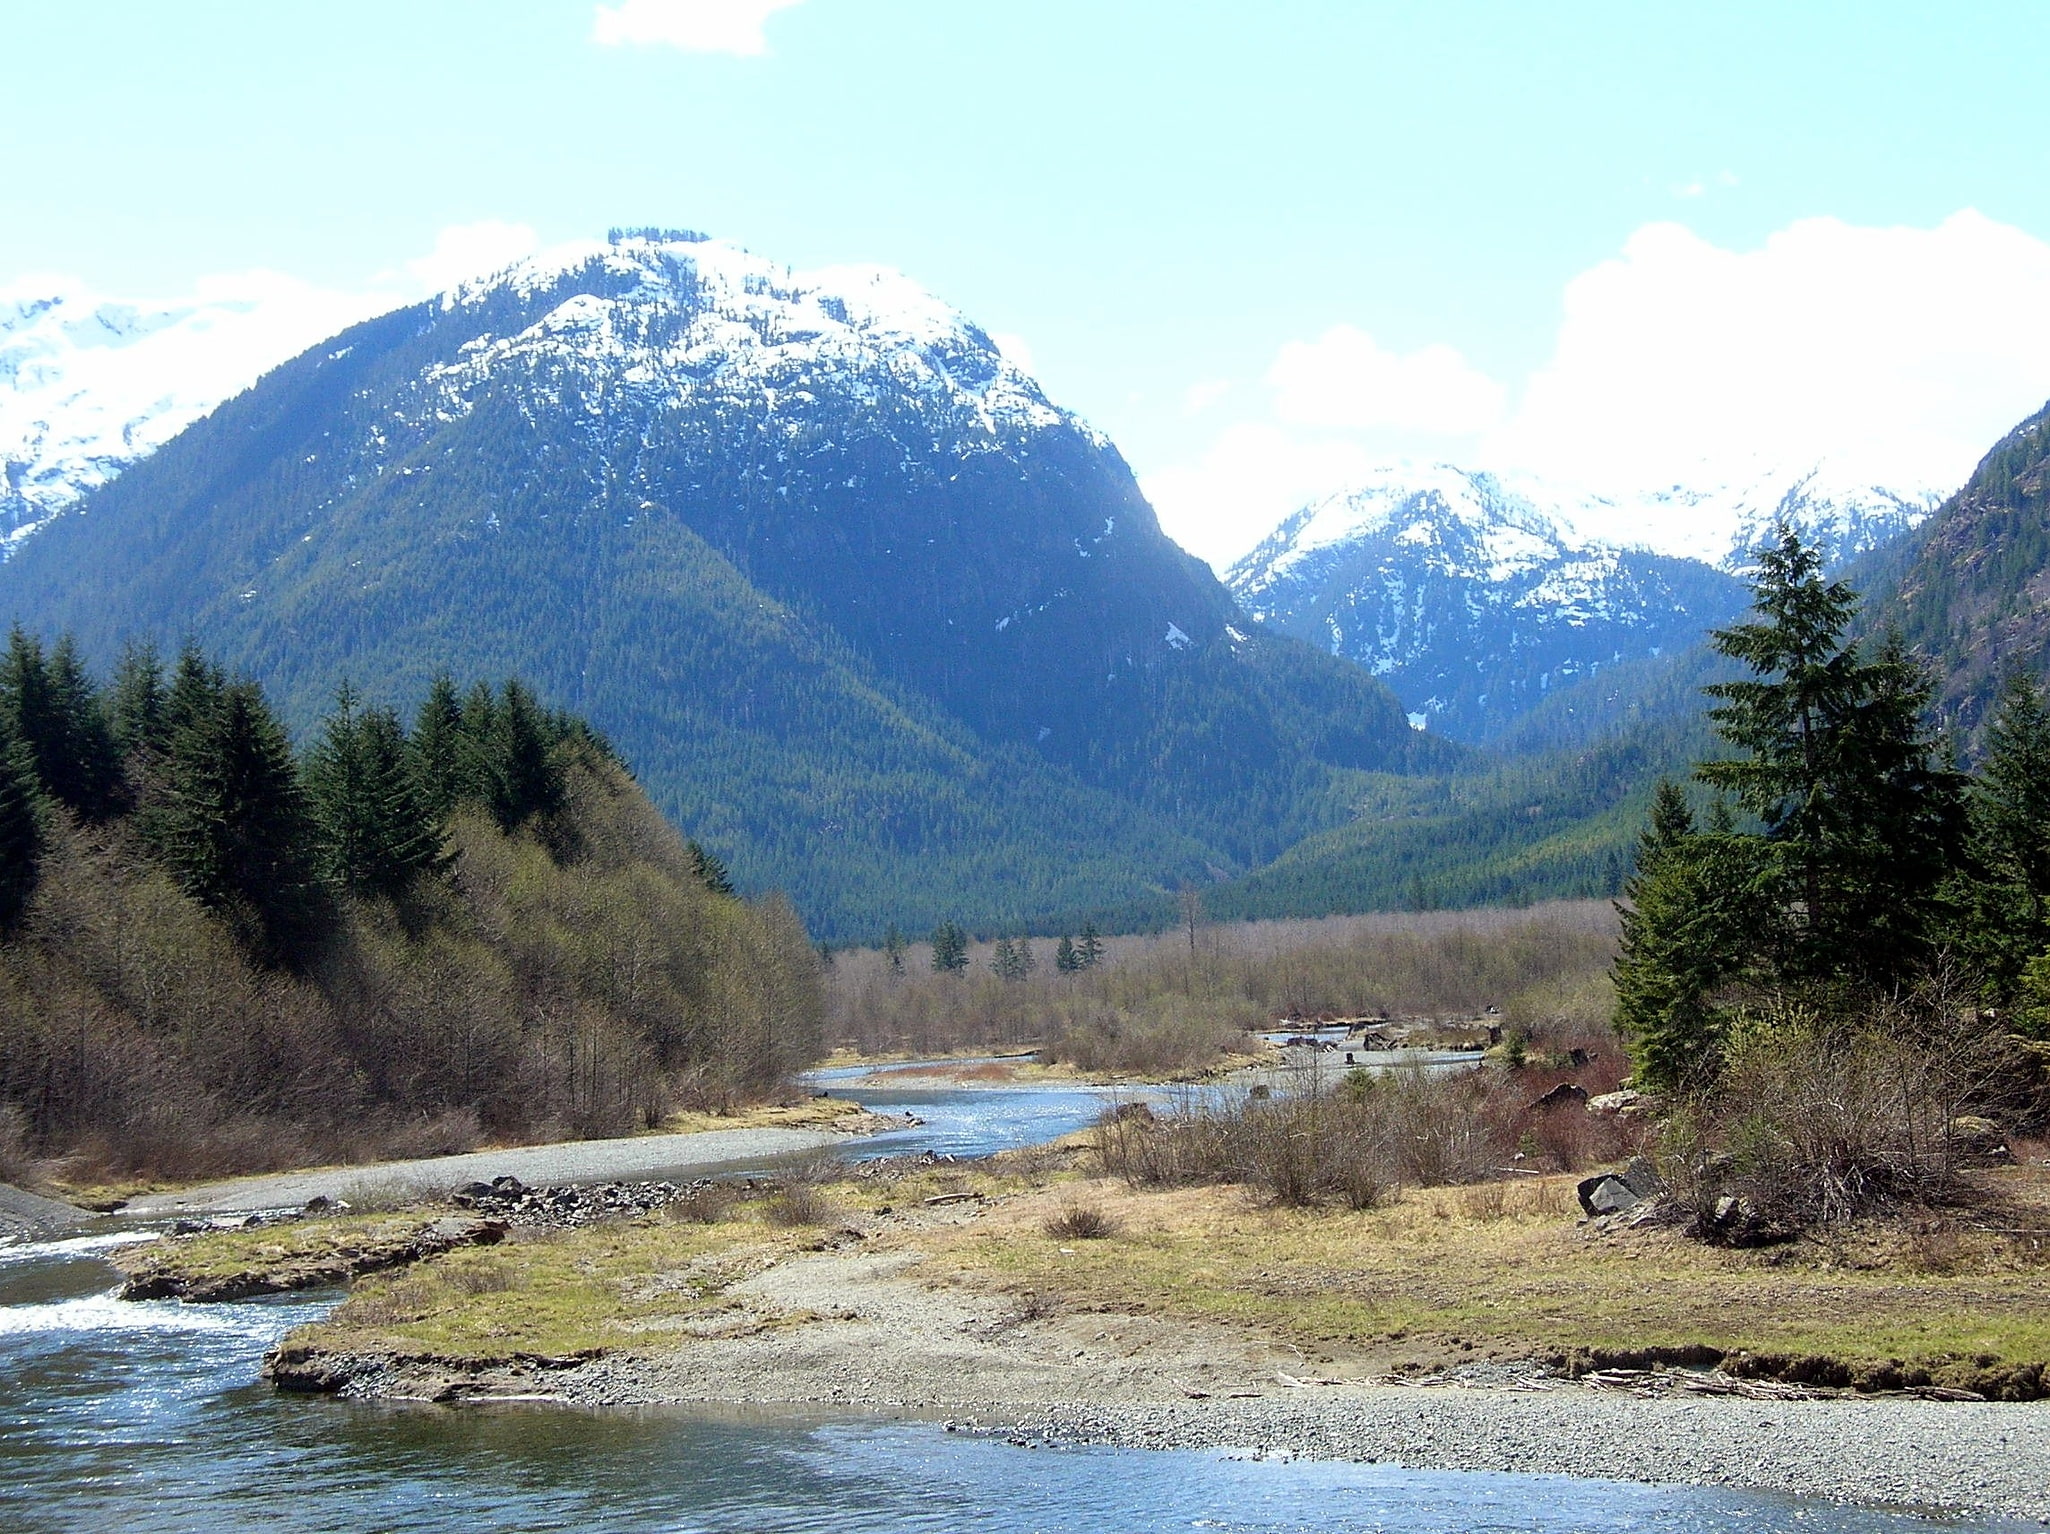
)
(151, 1418)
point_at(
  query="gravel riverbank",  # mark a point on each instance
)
(641, 1157)
(1962, 1457)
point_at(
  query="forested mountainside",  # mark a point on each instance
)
(1970, 589)
(868, 613)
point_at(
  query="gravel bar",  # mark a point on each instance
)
(1960, 1457)
(641, 1157)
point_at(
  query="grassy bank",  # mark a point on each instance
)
(1430, 1279)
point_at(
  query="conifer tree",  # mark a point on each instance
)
(55, 711)
(376, 834)
(527, 781)
(1861, 818)
(2006, 890)
(21, 831)
(232, 825)
(1089, 951)
(136, 705)
(949, 949)
(709, 868)
(893, 949)
(445, 755)
(1064, 958)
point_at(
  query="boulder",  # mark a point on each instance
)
(1565, 1094)
(1606, 1193)
(1622, 1104)
(1978, 1140)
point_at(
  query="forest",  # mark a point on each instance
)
(221, 953)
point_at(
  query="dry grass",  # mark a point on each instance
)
(1505, 1271)
(1082, 1222)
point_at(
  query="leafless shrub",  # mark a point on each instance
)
(382, 1195)
(705, 1203)
(1484, 1201)
(1819, 1119)
(17, 1162)
(1083, 1222)
(477, 1276)
(798, 1203)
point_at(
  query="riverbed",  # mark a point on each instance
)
(151, 1417)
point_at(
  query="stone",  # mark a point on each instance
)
(1565, 1093)
(1606, 1193)
(1622, 1104)
(320, 1203)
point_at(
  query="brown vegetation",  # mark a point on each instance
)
(529, 995)
(1164, 1006)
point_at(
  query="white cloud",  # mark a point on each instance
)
(1016, 350)
(696, 26)
(1895, 356)
(464, 251)
(1346, 380)
(1250, 477)
(1898, 355)
(1204, 393)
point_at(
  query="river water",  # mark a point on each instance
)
(150, 1418)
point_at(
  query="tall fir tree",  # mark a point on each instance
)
(1064, 959)
(1089, 951)
(949, 949)
(445, 756)
(21, 830)
(55, 710)
(709, 868)
(233, 828)
(376, 834)
(2004, 896)
(527, 780)
(893, 949)
(1861, 816)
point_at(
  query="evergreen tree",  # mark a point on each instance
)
(1089, 951)
(1011, 961)
(136, 707)
(376, 834)
(2005, 895)
(711, 871)
(232, 825)
(949, 949)
(1860, 817)
(21, 831)
(1064, 957)
(445, 754)
(195, 689)
(527, 780)
(55, 711)
(893, 949)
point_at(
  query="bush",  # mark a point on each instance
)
(1082, 1222)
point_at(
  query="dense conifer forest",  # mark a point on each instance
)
(220, 952)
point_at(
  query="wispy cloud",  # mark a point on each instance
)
(695, 26)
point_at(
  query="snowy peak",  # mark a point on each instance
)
(89, 384)
(675, 317)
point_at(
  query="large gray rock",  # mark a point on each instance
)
(1606, 1193)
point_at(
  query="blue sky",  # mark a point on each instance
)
(1158, 200)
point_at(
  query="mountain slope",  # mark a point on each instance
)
(1970, 591)
(861, 604)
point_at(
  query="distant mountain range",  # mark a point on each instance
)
(1477, 598)
(868, 613)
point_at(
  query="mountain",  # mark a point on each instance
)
(1970, 589)
(870, 614)
(1469, 600)
(1478, 598)
(90, 385)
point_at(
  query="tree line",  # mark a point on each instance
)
(474, 920)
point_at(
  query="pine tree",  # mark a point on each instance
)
(893, 949)
(232, 825)
(1861, 818)
(136, 707)
(446, 757)
(710, 870)
(2005, 895)
(1064, 957)
(55, 711)
(376, 834)
(527, 780)
(1089, 952)
(21, 831)
(949, 949)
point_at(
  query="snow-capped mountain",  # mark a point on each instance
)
(90, 384)
(864, 607)
(1722, 522)
(1469, 598)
